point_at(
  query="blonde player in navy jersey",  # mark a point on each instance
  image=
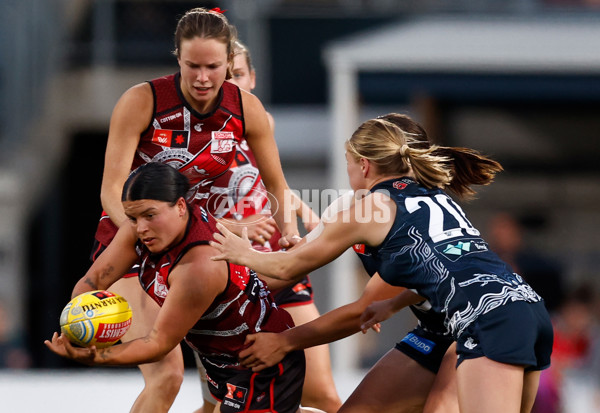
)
(421, 239)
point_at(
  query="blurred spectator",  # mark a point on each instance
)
(12, 354)
(575, 345)
(505, 236)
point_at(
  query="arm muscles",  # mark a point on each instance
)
(129, 119)
(340, 322)
(193, 285)
(111, 265)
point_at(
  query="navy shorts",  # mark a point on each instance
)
(275, 389)
(517, 333)
(295, 295)
(425, 347)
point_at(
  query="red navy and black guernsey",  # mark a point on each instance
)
(201, 146)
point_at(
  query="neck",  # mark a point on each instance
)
(380, 179)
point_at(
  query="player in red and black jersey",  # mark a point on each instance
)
(192, 121)
(212, 305)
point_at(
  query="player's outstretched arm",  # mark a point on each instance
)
(340, 233)
(268, 349)
(380, 311)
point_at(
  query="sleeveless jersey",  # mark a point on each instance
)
(245, 307)
(201, 146)
(428, 319)
(433, 249)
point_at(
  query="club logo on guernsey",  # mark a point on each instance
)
(359, 248)
(399, 185)
(470, 343)
(419, 343)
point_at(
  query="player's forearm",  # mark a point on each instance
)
(110, 197)
(279, 265)
(332, 326)
(140, 351)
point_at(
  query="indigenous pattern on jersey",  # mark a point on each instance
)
(433, 249)
(201, 146)
(239, 192)
(429, 320)
(245, 307)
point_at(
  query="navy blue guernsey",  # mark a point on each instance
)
(433, 249)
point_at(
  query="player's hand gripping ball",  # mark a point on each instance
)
(97, 318)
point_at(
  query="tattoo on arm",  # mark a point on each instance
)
(107, 272)
(104, 353)
(91, 284)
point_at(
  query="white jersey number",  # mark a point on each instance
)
(437, 206)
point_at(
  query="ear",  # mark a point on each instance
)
(365, 166)
(252, 79)
(181, 206)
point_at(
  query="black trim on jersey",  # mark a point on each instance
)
(184, 251)
(242, 118)
(164, 112)
(189, 107)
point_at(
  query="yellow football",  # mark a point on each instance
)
(97, 318)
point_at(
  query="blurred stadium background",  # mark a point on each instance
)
(518, 80)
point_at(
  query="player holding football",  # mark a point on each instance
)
(212, 305)
(190, 120)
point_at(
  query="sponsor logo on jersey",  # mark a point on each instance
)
(222, 142)
(236, 393)
(455, 250)
(198, 127)
(170, 117)
(171, 138)
(419, 343)
(260, 397)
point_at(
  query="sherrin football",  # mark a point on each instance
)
(97, 318)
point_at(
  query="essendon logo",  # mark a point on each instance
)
(222, 142)
(171, 138)
(236, 393)
(359, 248)
(399, 185)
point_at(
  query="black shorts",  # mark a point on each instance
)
(425, 347)
(517, 333)
(297, 294)
(275, 389)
